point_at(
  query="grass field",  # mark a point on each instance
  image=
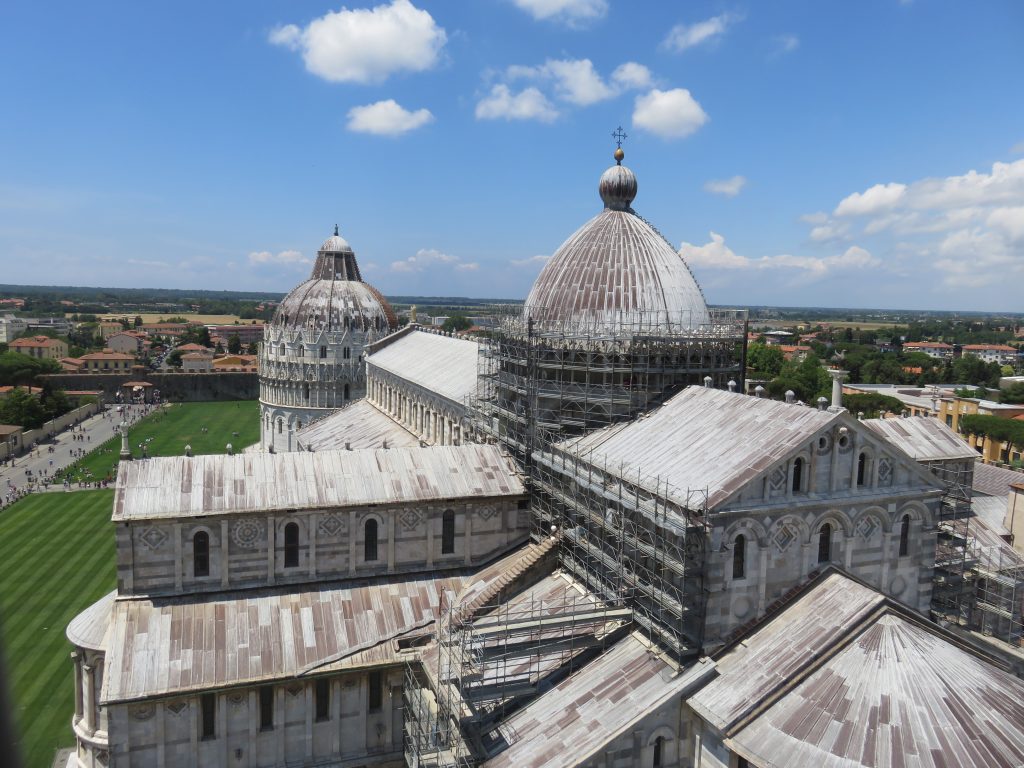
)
(56, 559)
(169, 430)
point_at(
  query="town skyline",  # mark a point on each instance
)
(797, 157)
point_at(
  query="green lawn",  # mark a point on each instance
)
(56, 558)
(169, 430)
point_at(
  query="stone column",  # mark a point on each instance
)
(837, 388)
(89, 698)
(76, 658)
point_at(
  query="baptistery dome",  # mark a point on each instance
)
(335, 296)
(312, 358)
(616, 273)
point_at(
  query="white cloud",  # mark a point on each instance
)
(872, 200)
(969, 228)
(786, 44)
(576, 81)
(631, 76)
(683, 36)
(282, 257)
(670, 114)
(830, 230)
(528, 104)
(426, 258)
(572, 12)
(386, 118)
(716, 255)
(820, 217)
(366, 45)
(533, 261)
(726, 187)
(1010, 221)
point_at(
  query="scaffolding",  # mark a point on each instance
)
(547, 378)
(541, 381)
(999, 591)
(491, 660)
(627, 541)
(952, 590)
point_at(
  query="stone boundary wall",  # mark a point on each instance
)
(174, 387)
(26, 439)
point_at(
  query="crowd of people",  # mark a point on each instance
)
(53, 475)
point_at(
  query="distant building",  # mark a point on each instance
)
(40, 347)
(196, 362)
(993, 353)
(107, 361)
(795, 352)
(236, 363)
(107, 328)
(952, 409)
(250, 333)
(127, 342)
(195, 349)
(172, 331)
(936, 349)
(11, 327)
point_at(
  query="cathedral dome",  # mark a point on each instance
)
(335, 297)
(616, 274)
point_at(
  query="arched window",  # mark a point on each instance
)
(282, 350)
(862, 466)
(825, 544)
(201, 554)
(798, 475)
(739, 557)
(280, 426)
(659, 752)
(448, 532)
(291, 545)
(345, 392)
(305, 390)
(346, 353)
(302, 351)
(370, 541)
(323, 352)
(905, 536)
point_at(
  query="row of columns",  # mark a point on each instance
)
(430, 424)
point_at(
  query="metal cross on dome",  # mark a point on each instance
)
(620, 136)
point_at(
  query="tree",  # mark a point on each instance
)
(17, 369)
(234, 344)
(138, 321)
(995, 428)
(174, 358)
(456, 323)
(765, 361)
(196, 334)
(973, 370)
(1012, 394)
(22, 408)
(872, 405)
(253, 348)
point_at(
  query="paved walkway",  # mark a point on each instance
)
(41, 465)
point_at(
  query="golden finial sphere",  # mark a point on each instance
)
(619, 154)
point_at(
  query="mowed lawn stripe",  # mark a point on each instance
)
(59, 550)
(66, 554)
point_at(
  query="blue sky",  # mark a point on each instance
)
(865, 154)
